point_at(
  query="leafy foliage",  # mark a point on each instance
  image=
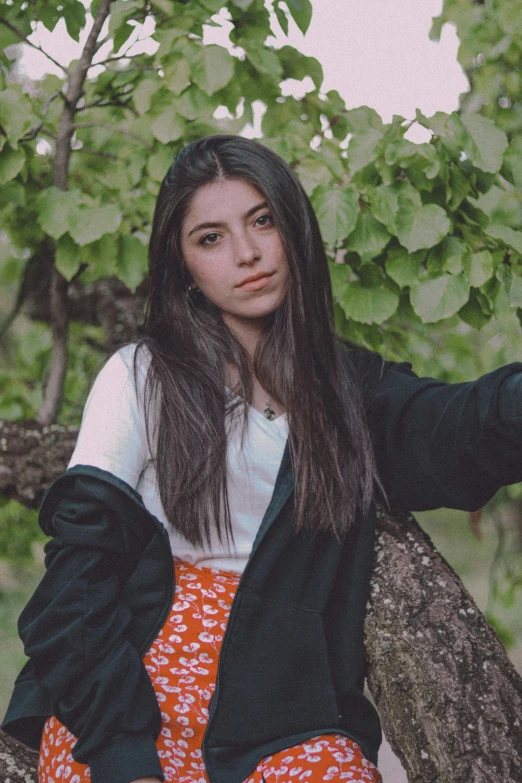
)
(416, 233)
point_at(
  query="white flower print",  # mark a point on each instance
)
(182, 664)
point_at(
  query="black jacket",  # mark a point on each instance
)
(292, 660)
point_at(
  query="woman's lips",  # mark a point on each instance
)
(255, 285)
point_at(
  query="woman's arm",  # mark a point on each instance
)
(113, 434)
(75, 627)
(447, 445)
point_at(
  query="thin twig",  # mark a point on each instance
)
(116, 58)
(102, 102)
(47, 132)
(114, 128)
(34, 132)
(26, 40)
(100, 153)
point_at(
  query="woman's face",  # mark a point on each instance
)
(228, 238)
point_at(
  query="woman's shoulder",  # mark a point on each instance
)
(126, 367)
(369, 367)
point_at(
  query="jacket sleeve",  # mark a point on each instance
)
(446, 445)
(75, 627)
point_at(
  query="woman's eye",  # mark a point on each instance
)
(264, 220)
(209, 239)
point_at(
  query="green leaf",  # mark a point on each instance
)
(74, 16)
(384, 201)
(457, 187)
(301, 11)
(362, 149)
(177, 75)
(312, 173)
(509, 236)
(339, 275)
(168, 126)
(336, 210)
(454, 254)
(281, 17)
(515, 294)
(510, 18)
(167, 6)
(15, 115)
(11, 163)
(119, 28)
(266, 61)
(212, 68)
(369, 305)
(131, 264)
(297, 66)
(482, 141)
(243, 4)
(167, 39)
(419, 226)
(434, 299)
(159, 162)
(403, 267)
(479, 269)
(361, 119)
(512, 285)
(369, 237)
(143, 93)
(476, 312)
(54, 206)
(67, 257)
(88, 224)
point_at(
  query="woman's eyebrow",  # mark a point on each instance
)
(250, 212)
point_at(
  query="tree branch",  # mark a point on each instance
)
(26, 40)
(99, 153)
(102, 103)
(116, 58)
(115, 129)
(58, 369)
(449, 698)
(59, 317)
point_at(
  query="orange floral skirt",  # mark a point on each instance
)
(182, 664)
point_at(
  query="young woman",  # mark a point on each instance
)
(236, 453)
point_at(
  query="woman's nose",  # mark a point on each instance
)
(246, 249)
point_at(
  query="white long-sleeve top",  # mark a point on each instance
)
(112, 437)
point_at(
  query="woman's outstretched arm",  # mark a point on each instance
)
(447, 445)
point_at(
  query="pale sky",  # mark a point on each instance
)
(374, 52)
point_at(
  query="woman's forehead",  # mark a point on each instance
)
(224, 197)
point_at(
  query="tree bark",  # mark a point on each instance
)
(107, 303)
(17, 763)
(32, 457)
(449, 699)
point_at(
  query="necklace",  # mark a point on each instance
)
(269, 413)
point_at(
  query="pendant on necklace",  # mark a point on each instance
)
(269, 413)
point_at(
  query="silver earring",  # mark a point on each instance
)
(193, 293)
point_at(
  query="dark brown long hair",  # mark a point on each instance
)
(299, 361)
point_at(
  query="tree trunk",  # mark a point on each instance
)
(449, 699)
(32, 457)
